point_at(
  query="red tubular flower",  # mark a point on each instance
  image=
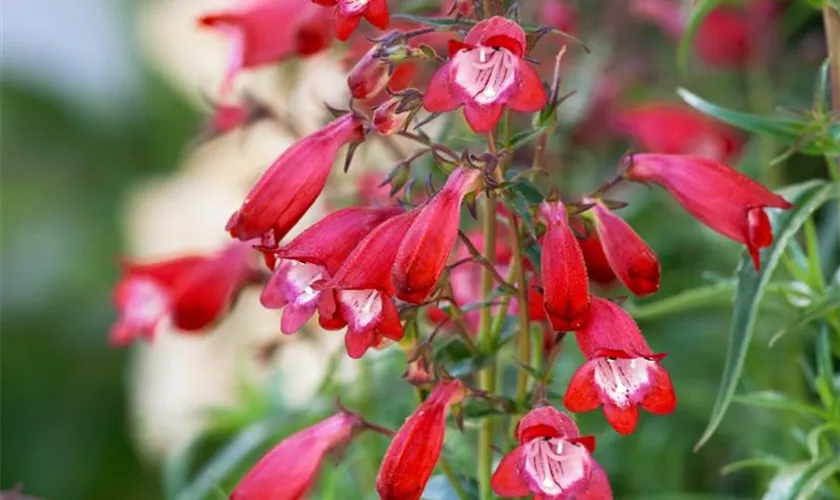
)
(386, 120)
(348, 14)
(597, 267)
(315, 255)
(718, 196)
(292, 183)
(415, 450)
(427, 244)
(370, 75)
(193, 291)
(621, 372)
(256, 39)
(289, 469)
(364, 290)
(485, 73)
(563, 271)
(672, 129)
(633, 262)
(723, 39)
(552, 461)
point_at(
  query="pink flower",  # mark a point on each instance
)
(370, 75)
(672, 129)
(720, 197)
(349, 13)
(632, 261)
(552, 461)
(427, 244)
(621, 372)
(560, 15)
(563, 271)
(256, 39)
(364, 290)
(485, 73)
(415, 450)
(315, 255)
(292, 183)
(289, 469)
(192, 291)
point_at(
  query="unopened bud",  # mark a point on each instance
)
(370, 75)
(388, 119)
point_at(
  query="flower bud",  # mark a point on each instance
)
(370, 75)
(386, 120)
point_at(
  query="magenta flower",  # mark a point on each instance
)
(349, 13)
(552, 461)
(486, 73)
(621, 372)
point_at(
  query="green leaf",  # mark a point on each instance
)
(788, 130)
(813, 476)
(522, 138)
(813, 438)
(807, 198)
(822, 307)
(752, 463)
(519, 205)
(435, 22)
(776, 401)
(228, 460)
(825, 368)
(698, 14)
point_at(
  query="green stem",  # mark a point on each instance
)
(487, 377)
(760, 97)
(524, 335)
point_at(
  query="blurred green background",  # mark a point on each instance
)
(84, 118)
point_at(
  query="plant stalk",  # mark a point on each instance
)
(487, 377)
(524, 335)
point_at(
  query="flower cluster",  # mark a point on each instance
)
(368, 269)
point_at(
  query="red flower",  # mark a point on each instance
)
(633, 262)
(348, 14)
(720, 197)
(292, 183)
(427, 244)
(673, 129)
(256, 39)
(485, 73)
(193, 291)
(315, 255)
(552, 461)
(597, 266)
(723, 39)
(461, 8)
(370, 75)
(289, 469)
(364, 290)
(621, 372)
(560, 15)
(563, 271)
(229, 117)
(415, 450)
(386, 121)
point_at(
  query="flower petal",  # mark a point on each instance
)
(345, 24)
(482, 119)
(498, 26)
(438, 97)
(530, 96)
(622, 419)
(377, 13)
(660, 398)
(582, 394)
(599, 485)
(508, 479)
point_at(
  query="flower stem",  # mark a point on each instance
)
(524, 335)
(487, 377)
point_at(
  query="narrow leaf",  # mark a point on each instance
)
(828, 304)
(807, 198)
(776, 401)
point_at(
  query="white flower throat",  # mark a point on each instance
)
(485, 72)
(555, 464)
(621, 378)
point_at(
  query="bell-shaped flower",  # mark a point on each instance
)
(363, 288)
(486, 73)
(621, 372)
(191, 291)
(672, 129)
(416, 448)
(427, 244)
(315, 255)
(256, 39)
(565, 285)
(292, 183)
(632, 261)
(288, 471)
(718, 196)
(552, 461)
(349, 13)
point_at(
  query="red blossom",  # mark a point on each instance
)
(315, 255)
(552, 461)
(718, 196)
(370, 75)
(563, 270)
(349, 13)
(192, 291)
(256, 39)
(427, 244)
(292, 183)
(621, 372)
(632, 261)
(364, 290)
(411, 458)
(723, 39)
(289, 469)
(673, 129)
(386, 120)
(597, 266)
(486, 73)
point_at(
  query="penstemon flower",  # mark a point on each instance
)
(621, 372)
(552, 461)
(720, 197)
(486, 73)
(349, 13)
